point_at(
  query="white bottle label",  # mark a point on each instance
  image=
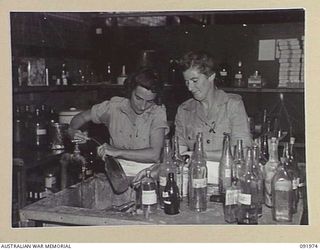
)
(283, 186)
(165, 195)
(227, 173)
(50, 181)
(163, 181)
(41, 131)
(223, 73)
(185, 182)
(149, 197)
(245, 199)
(199, 183)
(238, 76)
(294, 184)
(232, 197)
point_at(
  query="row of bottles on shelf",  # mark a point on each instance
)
(31, 124)
(245, 183)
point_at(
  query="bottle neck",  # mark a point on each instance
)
(199, 153)
(176, 148)
(273, 152)
(239, 151)
(167, 157)
(226, 151)
(249, 161)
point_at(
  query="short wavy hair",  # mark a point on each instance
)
(201, 60)
(147, 78)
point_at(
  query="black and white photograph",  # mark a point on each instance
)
(158, 118)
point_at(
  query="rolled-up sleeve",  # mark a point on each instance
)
(239, 123)
(179, 129)
(99, 112)
(160, 120)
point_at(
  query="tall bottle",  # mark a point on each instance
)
(40, 131)
(264, 150)
(225, 165)
(293, 161)
(249, 196)
(270, 169)
(171, 196)
(148, 194)
(166, 167)
(179, 167)
(198, 177)
(257, 170)
(293, 173)
(282, 194)
(239, 164)
(18, 126)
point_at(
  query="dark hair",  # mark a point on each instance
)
(147, 78)
(201, 60)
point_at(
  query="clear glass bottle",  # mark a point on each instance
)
(263, 150)
(148, 194)
(270, 169)
(293, 173)
(257, 170)
(225, 165)
(249, 196)
(165, 168)
(239, 164)
(198, 177)
(40, 131)
(179, 166)
(171, 196)
(282, 194)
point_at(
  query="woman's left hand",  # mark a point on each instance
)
(106, 149)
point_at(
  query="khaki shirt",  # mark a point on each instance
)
(227, 115)
(125, 133)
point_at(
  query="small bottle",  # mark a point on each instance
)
(198, 178)
(264, 151)
(270, 169)
(165, 168)
(90, 164)
(225, 165)
(108, 76)
(248, 198)
(40, 131)
(238, 77)
(179, 167)
(64, 75)
(171, 196)
(223, 75)
(50, 182)
(123, 76)
(18, 126)
(148, 194)
(282, 194)
(172, 72)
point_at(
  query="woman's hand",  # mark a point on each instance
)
(154, 174)
(76, 134)
(106, 149)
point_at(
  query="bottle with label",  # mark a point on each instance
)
(249, 198)
(238, 77)
(165, 168)
(238, 169)
(18, 126)
(179, 166)
(198, 177)
(40, 131)
(294, 175)
(223, 75)
(293, 161)
(171, 196)
(225, 165)
(257, 170)
(148, 194)
(269, 170)
(123, 76)
(64, 75)
(282, 194)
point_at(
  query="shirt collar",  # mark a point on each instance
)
(125, 107)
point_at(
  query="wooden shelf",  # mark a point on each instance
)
(264, 90)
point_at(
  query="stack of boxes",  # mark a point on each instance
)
(290, 55)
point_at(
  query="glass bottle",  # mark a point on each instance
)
(108, 77)
(172, 72)
(264, 151)
(179, 167)
(148, 194)
(64, 75)
(258, 172)
(18, 126)
(171, 196)
(238, 77)
(225, 165)
(270, 169)
(40, 131)
(165, 168)
(249, 196)
(198, 177)
(282, 194)
(294, 163)
(239, 164)
(123, 76)
(293, 173)
(264, 122)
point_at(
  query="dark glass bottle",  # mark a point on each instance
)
(39, 131)
(178, 163)
(282, 194)
(238, 77)
(18, 126)
(149, 194)
(249, 196)
(165, 168)
(171, 196)
(108, 76)
(264, 154)
(198, 178)
(225, 165)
